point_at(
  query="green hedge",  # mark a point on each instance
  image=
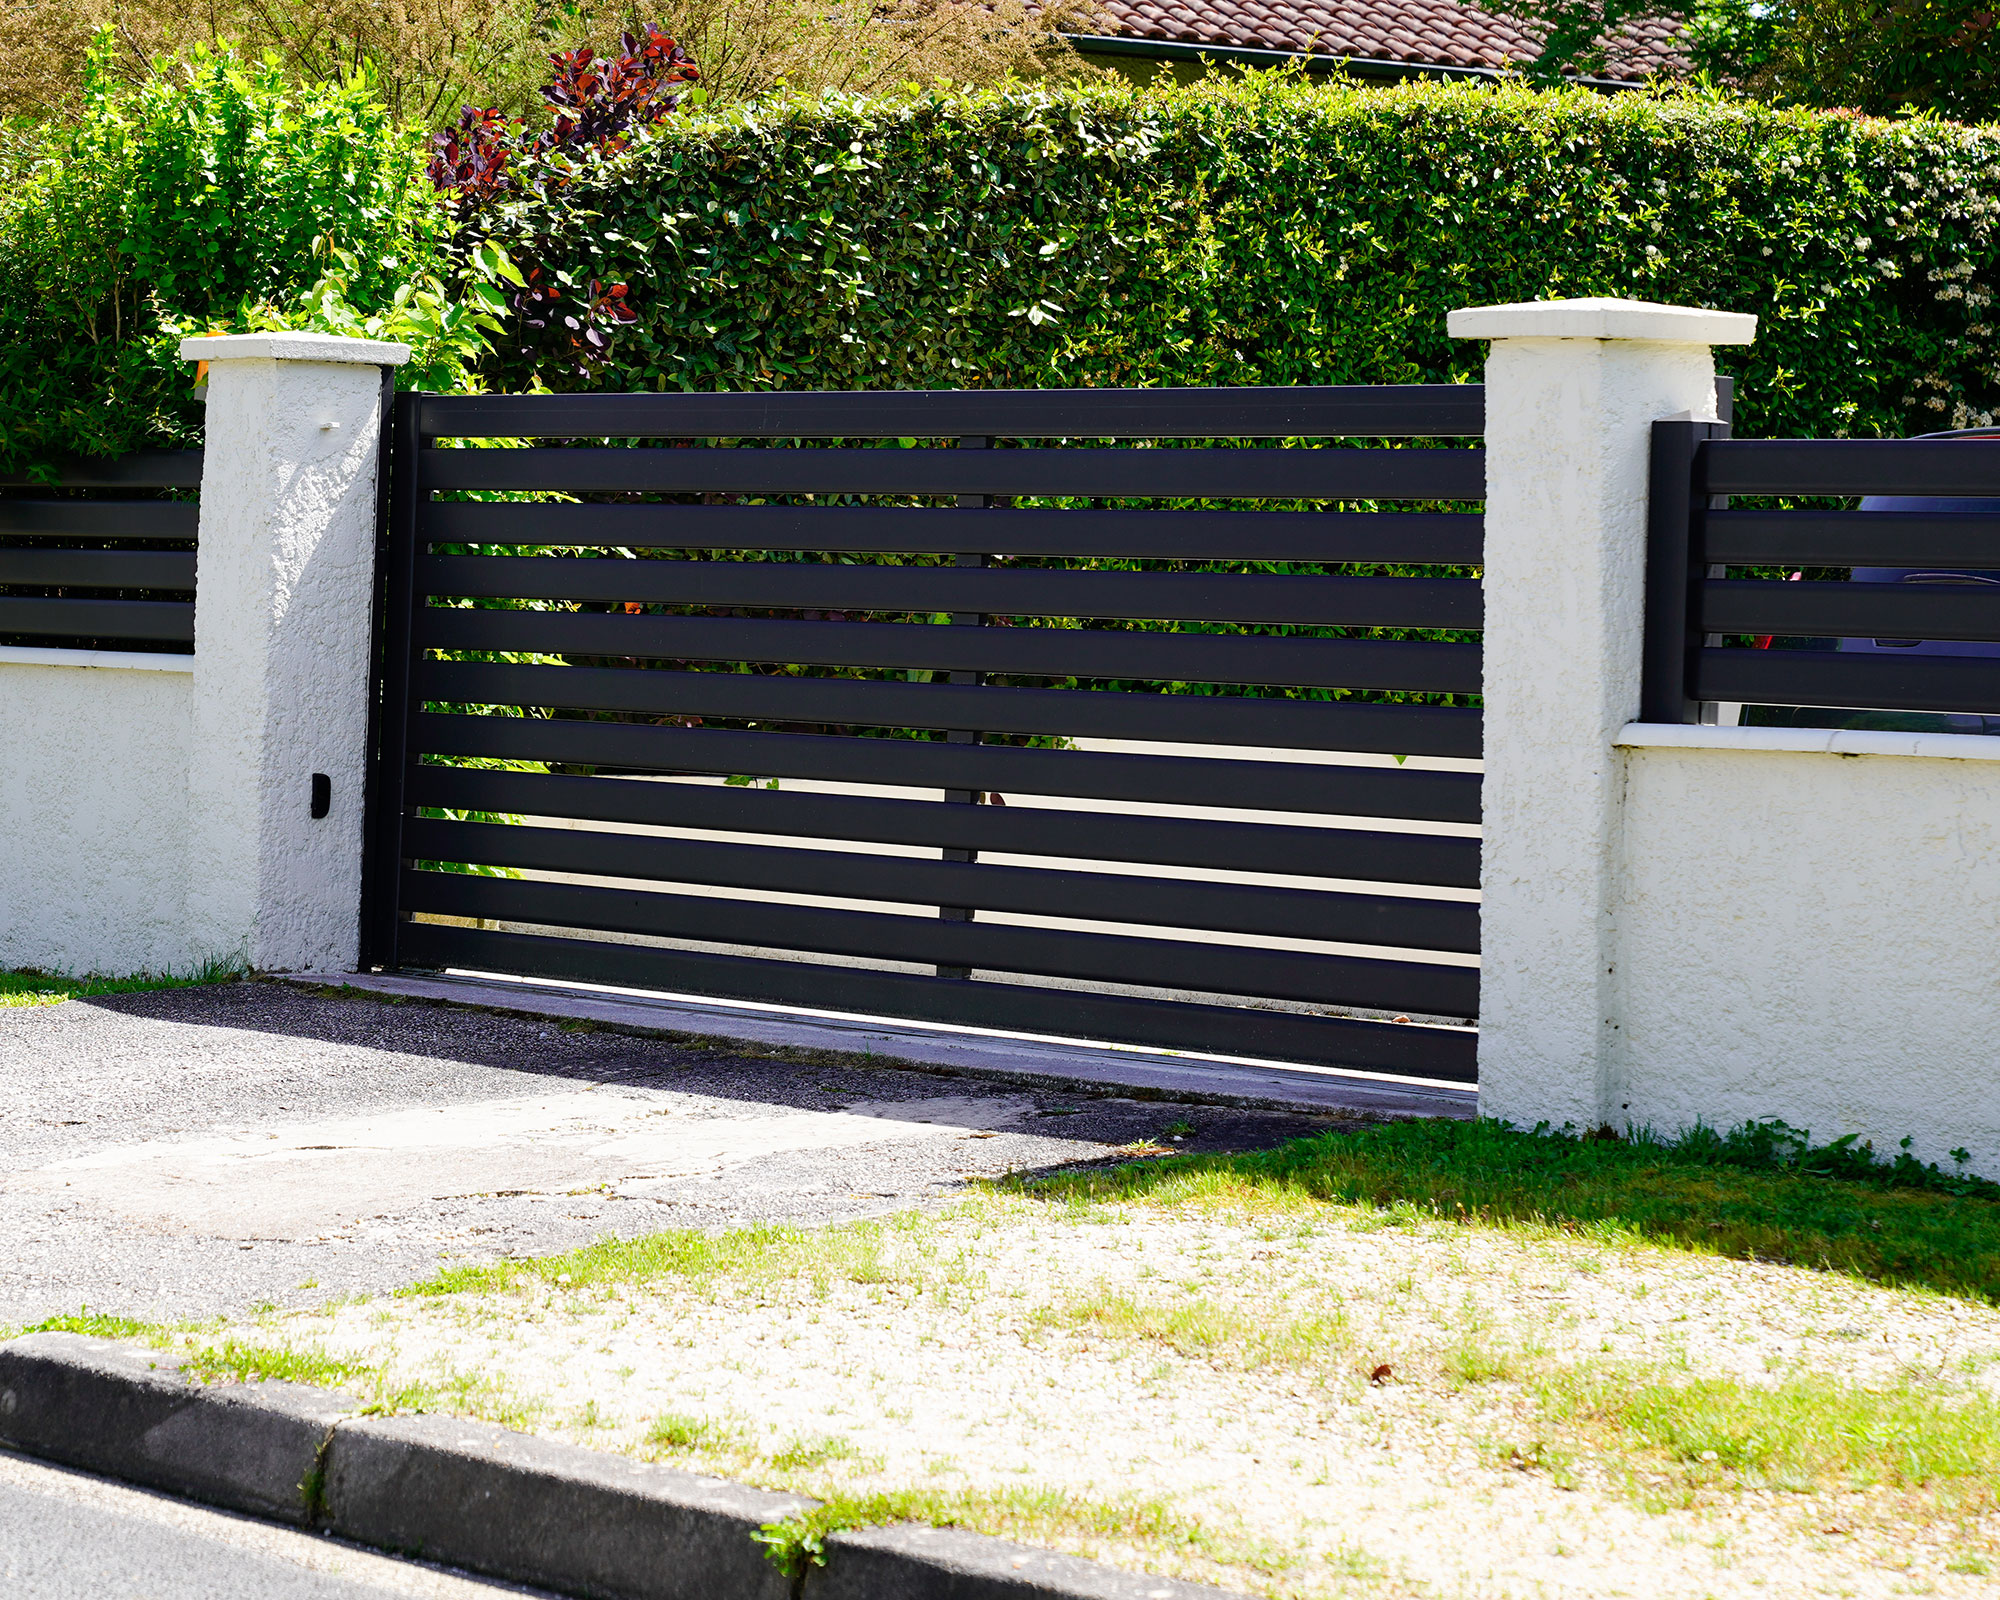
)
(1259, 230)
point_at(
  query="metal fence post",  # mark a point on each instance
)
(964, 619)
(390, 699)
(1675, 568)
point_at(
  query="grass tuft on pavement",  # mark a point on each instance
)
(30, 987)
(1761, 1192)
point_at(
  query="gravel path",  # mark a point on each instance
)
(1191, 1393)
(197, 1152)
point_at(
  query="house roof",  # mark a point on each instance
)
(1417, 32)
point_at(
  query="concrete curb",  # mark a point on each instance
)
(128, 1412)
(484, 1498)
(909, 1562)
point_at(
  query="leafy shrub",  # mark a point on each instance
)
(1261, 231)
(599, 105)
(222, 199)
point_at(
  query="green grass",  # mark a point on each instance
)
(33, 988)
(1805, 1432)
(1763, 1192)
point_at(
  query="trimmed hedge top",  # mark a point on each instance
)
(1266, 230)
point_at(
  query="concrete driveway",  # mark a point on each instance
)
(193, 1152)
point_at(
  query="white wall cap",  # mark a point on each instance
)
(17, 655)
(1602, 319)
(332, 347)
(1811, 741)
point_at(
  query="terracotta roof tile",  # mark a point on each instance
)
(1441, 32)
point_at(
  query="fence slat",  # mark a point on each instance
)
(153, 620)
(1444, 1054)
(1402, 921)
(1345, 411)
(1854, 538)
(1366, 856)
(1219, 719)
(1828, 678)
(142, 469)
(1442, 538)
(1852, 610)
(1263, 785)
(1439, 990)
(99, 569)
(101, 519)
(1330, 474)
(1026, 652)
(1154, 596)
(1852, 466)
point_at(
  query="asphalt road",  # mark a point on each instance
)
(69, 1536)
(200, 1152)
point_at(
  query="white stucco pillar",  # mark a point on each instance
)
(284, 588)
(1572, 388)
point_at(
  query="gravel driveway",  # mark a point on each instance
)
(201, 1152)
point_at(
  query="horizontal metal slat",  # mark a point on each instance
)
(1852, 539)
(1442, 538)
(102, 519)
(1349, 411)
(1161, 596)
(1193, 474)
(1887, 681)
(1368, 856)
(1100, 653)
(1447, 1054)
(1167, 780)
(1344, 917)
(99, 569)
(1852, 610)
(99, 619)
(142, 469)
(1222, 719)
(1050, 952)
(1849, 466)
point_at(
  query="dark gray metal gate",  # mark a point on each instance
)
(944, 592)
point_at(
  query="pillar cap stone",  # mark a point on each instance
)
(1602, 319)
(327, 347)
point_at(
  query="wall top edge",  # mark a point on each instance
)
(1601, 318)
(324, 347)
(1811, 741)
(117, 660)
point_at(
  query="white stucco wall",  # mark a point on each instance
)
(93, 815)
(1812, 934)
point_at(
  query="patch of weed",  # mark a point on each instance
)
(675, 1434)
(1203, 1328)
(237, 1362)
(30, 987)
(1805, 1432)
(95, 1324)
(813, 1450)
(1030, 1514)
(867, 1252)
